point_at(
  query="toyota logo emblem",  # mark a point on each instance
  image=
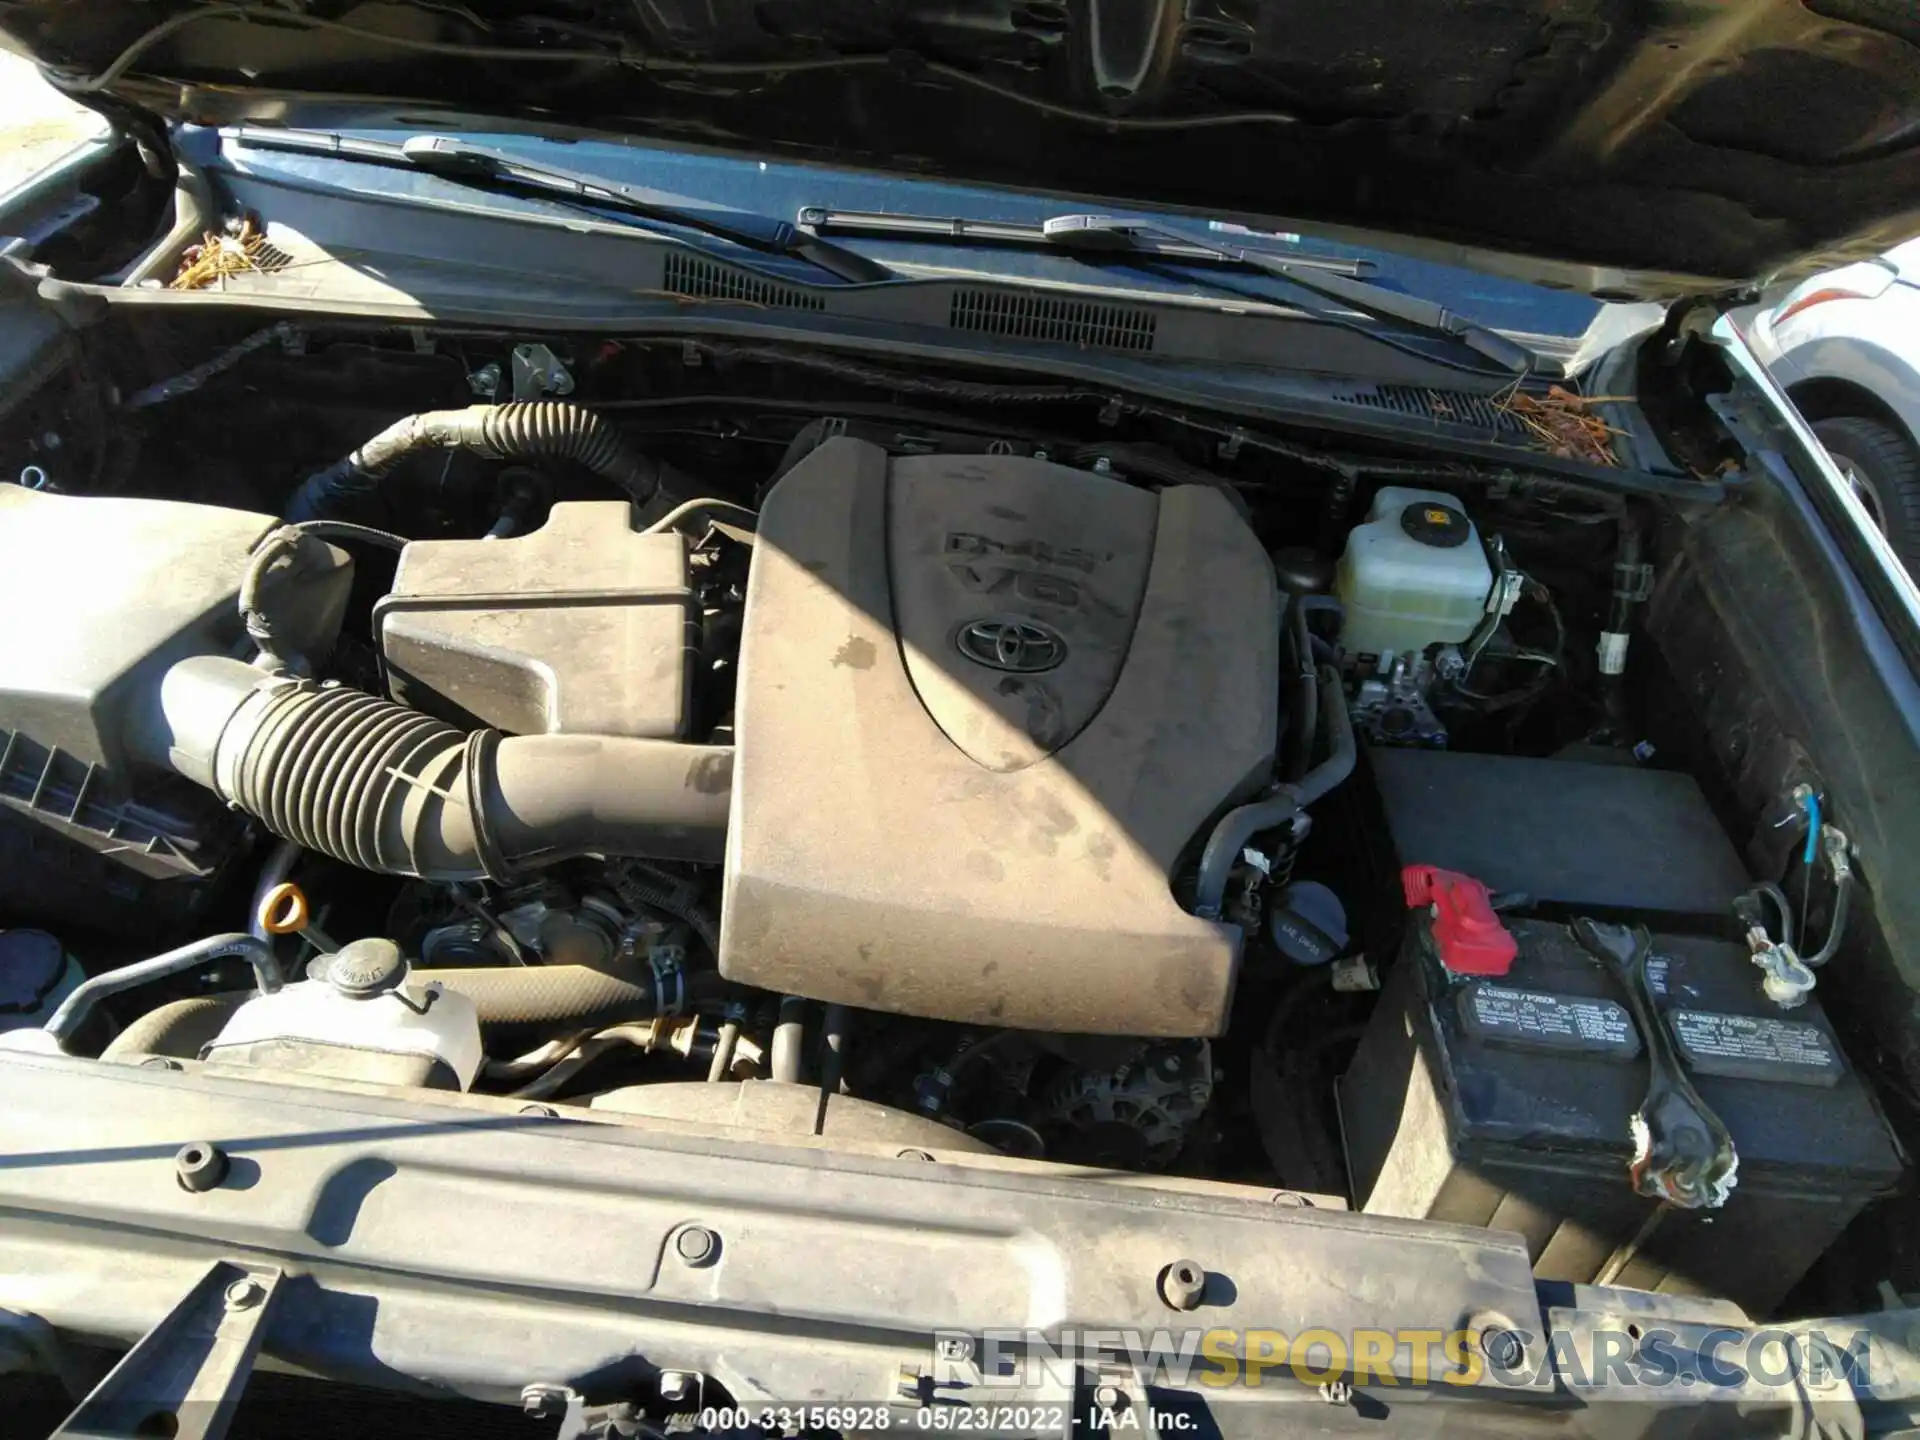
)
(1020, 646)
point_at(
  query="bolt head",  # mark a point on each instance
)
(544, 1401)
(1108, 1397)
(697, 1245)
(955, 1347)
(245, 1294)
(675, 1385)
(1504, 1348)
(1182, 1284)
(199, 1166)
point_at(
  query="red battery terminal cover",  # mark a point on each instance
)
(1466, 932)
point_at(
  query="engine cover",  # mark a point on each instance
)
(984, 705)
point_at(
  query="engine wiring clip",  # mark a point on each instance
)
(1682, 1153)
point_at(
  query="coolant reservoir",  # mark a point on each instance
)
(1414, 574)
(368, 1019)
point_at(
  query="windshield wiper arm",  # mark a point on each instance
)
(1108, 234)
(948, 229)
(465, 163)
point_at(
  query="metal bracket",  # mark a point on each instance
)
(537, 372)
(20, 277)
(1507, 583)
(622, 1420)
(184, 1377)
(1633, 583)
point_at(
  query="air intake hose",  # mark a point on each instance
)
(389, 789)
(537, 430)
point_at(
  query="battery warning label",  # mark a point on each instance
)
(1756, 1047)
(1538, 1019)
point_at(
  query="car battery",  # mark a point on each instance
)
(1576, 837)
(1504, 1099)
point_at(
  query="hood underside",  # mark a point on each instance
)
(1645, 147)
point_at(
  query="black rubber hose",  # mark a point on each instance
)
(1304, 720)
(640, 884)
(534, 431)
(389, 789)
(1342, 752)
(1324, 605)
(1278, 807)
(1618, 634)
(508, 998)
(81, 1000)
(1842, 895)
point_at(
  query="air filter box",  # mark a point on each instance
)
(103, 594)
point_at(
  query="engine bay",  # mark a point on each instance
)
(699, 735)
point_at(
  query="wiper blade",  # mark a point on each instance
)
(1107, 234)
(485, 168)
(949, 229)
(462, 161)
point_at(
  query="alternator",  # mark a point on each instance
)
(1135, 1118)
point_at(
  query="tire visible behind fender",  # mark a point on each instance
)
(1888, 468)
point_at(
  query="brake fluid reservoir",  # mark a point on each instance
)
(1414, 574)
(367, 1019)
